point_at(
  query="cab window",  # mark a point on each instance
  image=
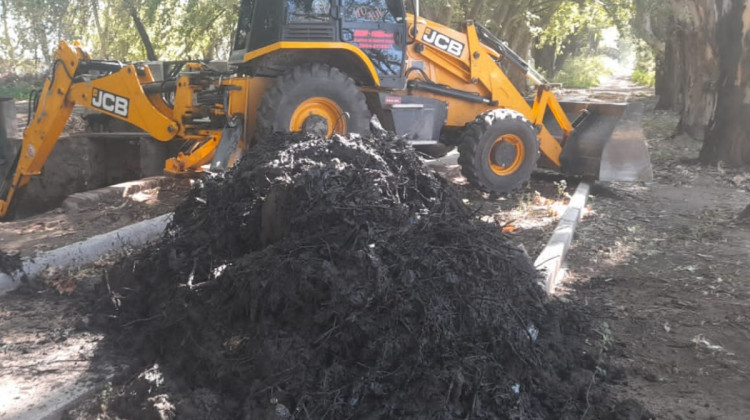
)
(308, 10)
(373, 10)
(244, 24)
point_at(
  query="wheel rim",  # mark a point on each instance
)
(315, 109)
(506, 155)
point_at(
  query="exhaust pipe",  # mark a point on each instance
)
(414, 30)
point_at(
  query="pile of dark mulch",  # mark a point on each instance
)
(335, 279)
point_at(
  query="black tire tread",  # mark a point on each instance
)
(308, 73)
(470, 141)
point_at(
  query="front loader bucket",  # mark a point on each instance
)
(607, 143)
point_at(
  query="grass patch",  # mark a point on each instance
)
(644, 77)
(644, 73)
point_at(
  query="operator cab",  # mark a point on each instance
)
(377, 27)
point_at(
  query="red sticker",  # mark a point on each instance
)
(379, 40)
(392, 100)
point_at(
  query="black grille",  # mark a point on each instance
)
(309, 33)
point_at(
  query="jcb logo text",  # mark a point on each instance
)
(111, 103)
(441, 41)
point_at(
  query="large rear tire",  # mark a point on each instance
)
(314, 98)
(498, 151)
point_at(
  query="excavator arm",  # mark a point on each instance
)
(125, 92)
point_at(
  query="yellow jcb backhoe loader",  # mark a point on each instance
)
(328, 66)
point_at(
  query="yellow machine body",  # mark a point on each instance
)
(330, 87)
(476, 70)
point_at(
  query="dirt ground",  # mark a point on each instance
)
(48, 352)
(661, 269)
(45, 336)
(86, 215)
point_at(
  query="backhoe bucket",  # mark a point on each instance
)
(607, 143)
(8, 155)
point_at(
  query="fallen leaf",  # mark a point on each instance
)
(65, 286)
(720, 168)
(738, 180)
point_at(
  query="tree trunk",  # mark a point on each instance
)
(727, 136)
(705, 75)
(7, 40)
(476, 9)
(690, 69)
(512, 29)
(650, 25)
(545, 59)
(150, 53)
(40, 33)
(668, 84)
(99, 30)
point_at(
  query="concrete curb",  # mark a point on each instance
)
(551, 258)
(85, 199)
(87, 251)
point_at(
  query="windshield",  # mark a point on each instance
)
(373, 11)
(244, 24)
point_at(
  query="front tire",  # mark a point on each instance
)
(314, 98)
(499, 150)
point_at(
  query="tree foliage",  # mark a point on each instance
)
(550, 30)
(664, 33)
(175, 29)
